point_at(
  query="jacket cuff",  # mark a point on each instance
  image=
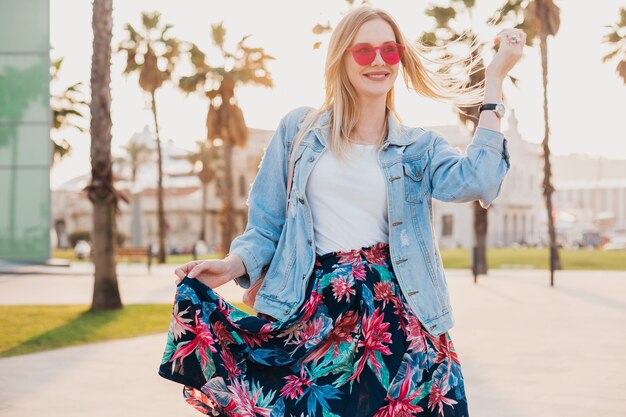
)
(492, 139)
(253, 270)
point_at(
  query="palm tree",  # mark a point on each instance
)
(138, 153)
(145, 51)
(540, 19)
(67, 106)
(101, 191)
(225, 122)
(204, 162)
(617, 38)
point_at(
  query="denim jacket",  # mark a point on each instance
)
(419, 165)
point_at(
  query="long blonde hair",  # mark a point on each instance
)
(438, 83)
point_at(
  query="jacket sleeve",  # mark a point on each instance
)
(266, 205)
(478, 175)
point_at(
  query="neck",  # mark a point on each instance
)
(372, 121)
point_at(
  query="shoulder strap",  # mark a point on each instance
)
(307, 123)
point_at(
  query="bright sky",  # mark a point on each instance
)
(585, 95)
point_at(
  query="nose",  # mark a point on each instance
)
(378, 60)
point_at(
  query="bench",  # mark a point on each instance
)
(135, 252)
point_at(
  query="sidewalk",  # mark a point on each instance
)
(74, 284)
(527, 350)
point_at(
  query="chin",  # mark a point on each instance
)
(374, 93)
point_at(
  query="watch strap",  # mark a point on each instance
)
(488, 106)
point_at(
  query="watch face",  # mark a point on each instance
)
(500, 109)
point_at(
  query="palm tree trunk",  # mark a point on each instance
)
(480, 234)
(555, 262)
(203, 212)
(101, 192)
(160, 210)
(226, 212)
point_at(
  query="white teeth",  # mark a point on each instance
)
(376, 76)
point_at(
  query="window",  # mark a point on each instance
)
(447, 221)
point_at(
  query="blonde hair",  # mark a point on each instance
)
(439, 84)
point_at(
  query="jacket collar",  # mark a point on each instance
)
(398, 134)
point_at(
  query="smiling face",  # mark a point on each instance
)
(377, 78)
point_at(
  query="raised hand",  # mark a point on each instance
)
(511, 44)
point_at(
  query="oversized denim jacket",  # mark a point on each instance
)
(419, 165)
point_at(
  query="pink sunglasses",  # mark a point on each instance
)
(365, 53)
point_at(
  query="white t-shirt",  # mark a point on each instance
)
(348, 200)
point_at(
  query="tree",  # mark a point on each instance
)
(101, 191)
(137, 154)
(153, 54)
(225, 122)
(539, 19)
(617, 38)
(67, 106)
(204, 162)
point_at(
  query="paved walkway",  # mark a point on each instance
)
(527, 350)
(74, 284)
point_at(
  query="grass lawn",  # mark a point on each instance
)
(572, 259)
(28, 329)
(171, 259)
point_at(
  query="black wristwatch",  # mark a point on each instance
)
(498, 109)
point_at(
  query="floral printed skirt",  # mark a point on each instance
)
(354, 348)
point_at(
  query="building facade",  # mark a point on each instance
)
(517, 216)
(591, 206)
(24, 131)
(137, 221)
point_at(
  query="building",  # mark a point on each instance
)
(592, 205)
(24, 131)
(514, 218)
(137, 221)
(517, 216)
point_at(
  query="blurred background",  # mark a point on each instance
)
(128, 153)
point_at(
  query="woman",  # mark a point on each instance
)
(354, 311)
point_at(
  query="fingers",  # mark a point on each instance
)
(183, 270)
(512, 36)
(197, 269)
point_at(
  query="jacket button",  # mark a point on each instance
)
(311, 159)
(310, 242)
(301, 200)
(433, 326)
(287, 311)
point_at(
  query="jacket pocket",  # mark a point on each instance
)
(413, 181)
(276, 283)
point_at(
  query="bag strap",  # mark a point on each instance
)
(307, 123)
